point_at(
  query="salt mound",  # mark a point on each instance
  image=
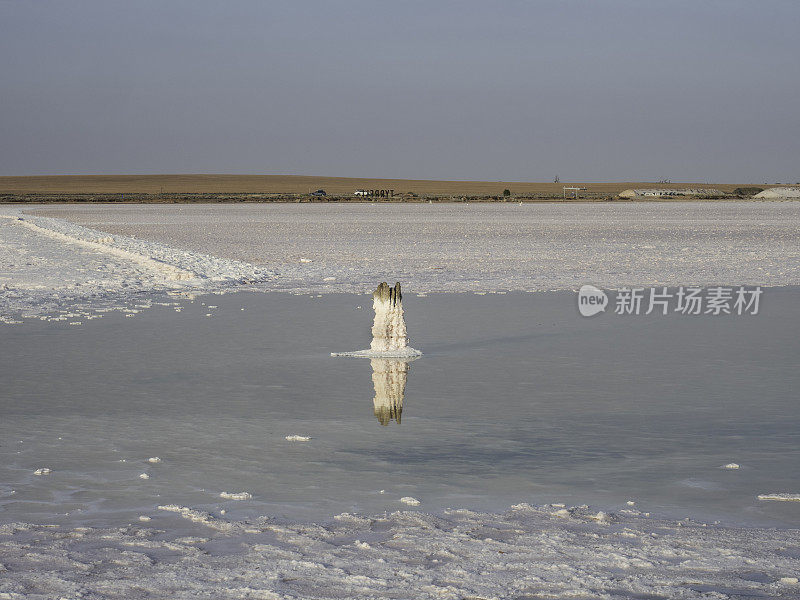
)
(779, 192)
(670, 193)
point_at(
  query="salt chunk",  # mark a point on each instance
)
(410, 501)
(789, 580)
(154, 459)
(144, 476)
(144, 518)
(236, 495)
(780, 497)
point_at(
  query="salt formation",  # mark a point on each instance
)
(389, 378)
(779, 192)
(389, 336)
(389, 328)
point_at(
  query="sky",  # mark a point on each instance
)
(596, 90)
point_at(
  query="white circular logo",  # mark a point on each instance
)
(591, 300)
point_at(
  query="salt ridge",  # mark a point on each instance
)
(69, 265)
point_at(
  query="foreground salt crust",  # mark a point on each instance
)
(546, 551)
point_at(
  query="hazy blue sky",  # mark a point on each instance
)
(596, 90)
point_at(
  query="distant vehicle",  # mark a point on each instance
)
(361, 193)
(319, 193)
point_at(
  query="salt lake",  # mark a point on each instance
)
(517, 398)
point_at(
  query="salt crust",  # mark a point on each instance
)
(527, 551)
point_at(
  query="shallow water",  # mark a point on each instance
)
(517, 399)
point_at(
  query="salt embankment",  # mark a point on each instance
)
(779, 192)
(48, 263)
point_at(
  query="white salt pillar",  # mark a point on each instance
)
(389, 327)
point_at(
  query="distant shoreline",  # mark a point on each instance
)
(117, 199)
(189, 188)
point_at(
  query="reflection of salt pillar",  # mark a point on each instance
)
(389, 327)
(389, 378)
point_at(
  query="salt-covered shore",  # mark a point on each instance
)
(105, 255)
(552, 551)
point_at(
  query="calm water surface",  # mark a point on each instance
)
(517, 399)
